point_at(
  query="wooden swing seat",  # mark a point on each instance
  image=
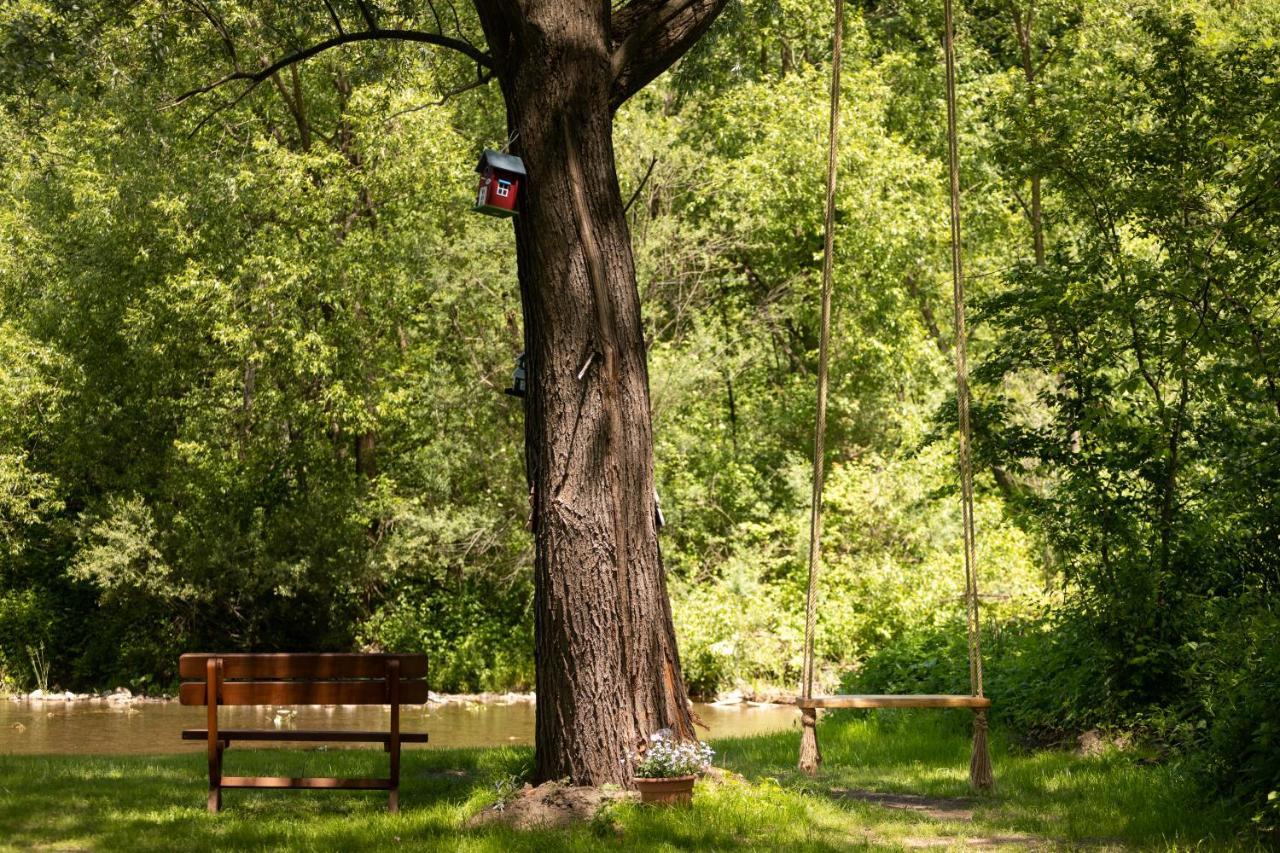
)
(925, 700)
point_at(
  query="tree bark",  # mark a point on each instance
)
(608, 673)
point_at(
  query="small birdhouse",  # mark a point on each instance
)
(500, 178)
(518, 378)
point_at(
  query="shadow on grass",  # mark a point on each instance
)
(1046, 799)
(158, 803)
(1058, 797)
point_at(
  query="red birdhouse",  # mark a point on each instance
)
(500, 178)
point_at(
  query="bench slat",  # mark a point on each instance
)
(305, 693)
(303, 665)
(306, 782)
(304, 735)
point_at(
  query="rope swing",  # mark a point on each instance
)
(980, 771)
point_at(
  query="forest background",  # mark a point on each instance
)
(252, 356)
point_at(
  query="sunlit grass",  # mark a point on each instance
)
(1051, 799)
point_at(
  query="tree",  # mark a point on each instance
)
(607, 668)
(1155, 316)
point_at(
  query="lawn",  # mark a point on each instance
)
(1044, 800)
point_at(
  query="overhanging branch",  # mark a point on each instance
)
(253, 78)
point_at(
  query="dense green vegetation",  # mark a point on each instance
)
(252, 360)
(1050, 799)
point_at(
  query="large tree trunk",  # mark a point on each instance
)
(608, 673)
(607, 669)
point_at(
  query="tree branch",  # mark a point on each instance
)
(218, 24)
(253, 78)
(635, 195)
(480, 80)
(369, 17)
(650, 35)
(333, 16)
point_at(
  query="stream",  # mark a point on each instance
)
(149, 728)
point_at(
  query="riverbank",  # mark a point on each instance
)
(896, 781)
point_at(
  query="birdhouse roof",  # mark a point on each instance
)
(498, 160)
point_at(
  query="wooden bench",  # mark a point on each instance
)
(302, 679)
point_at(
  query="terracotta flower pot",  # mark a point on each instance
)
(673, 791)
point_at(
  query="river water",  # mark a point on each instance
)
(145, 728)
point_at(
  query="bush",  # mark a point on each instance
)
(889, 579)
(26, 627)
(1050, 678)
(1046, 676)
(478, 637)
(1242, 702)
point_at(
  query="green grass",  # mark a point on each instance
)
(1063, 800)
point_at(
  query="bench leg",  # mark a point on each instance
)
(393, 742)
(215, 782)
(213, 695)
(393, 796)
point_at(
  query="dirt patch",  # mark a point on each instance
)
(1095, 742)
(722, 776)
(942, 808)
(1023, 842)
(550, 806)
(444, 774)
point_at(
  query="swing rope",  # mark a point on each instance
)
(810, 755)
(980, 771)
(824, 346)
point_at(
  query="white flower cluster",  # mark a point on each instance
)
(667, 757)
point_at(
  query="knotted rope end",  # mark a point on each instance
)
(810, 753)
(981, 775)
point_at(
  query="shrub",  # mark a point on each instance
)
(1241, 671)
(1045, 675)
(26, 627)
(478, 636)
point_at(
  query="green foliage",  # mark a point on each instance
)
(1240, 694)
(889, 568)
(27, 626)
(122, 558)
(1043, 673)
(237, 363)
(477, 639)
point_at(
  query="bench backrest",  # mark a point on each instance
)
(305, 679)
